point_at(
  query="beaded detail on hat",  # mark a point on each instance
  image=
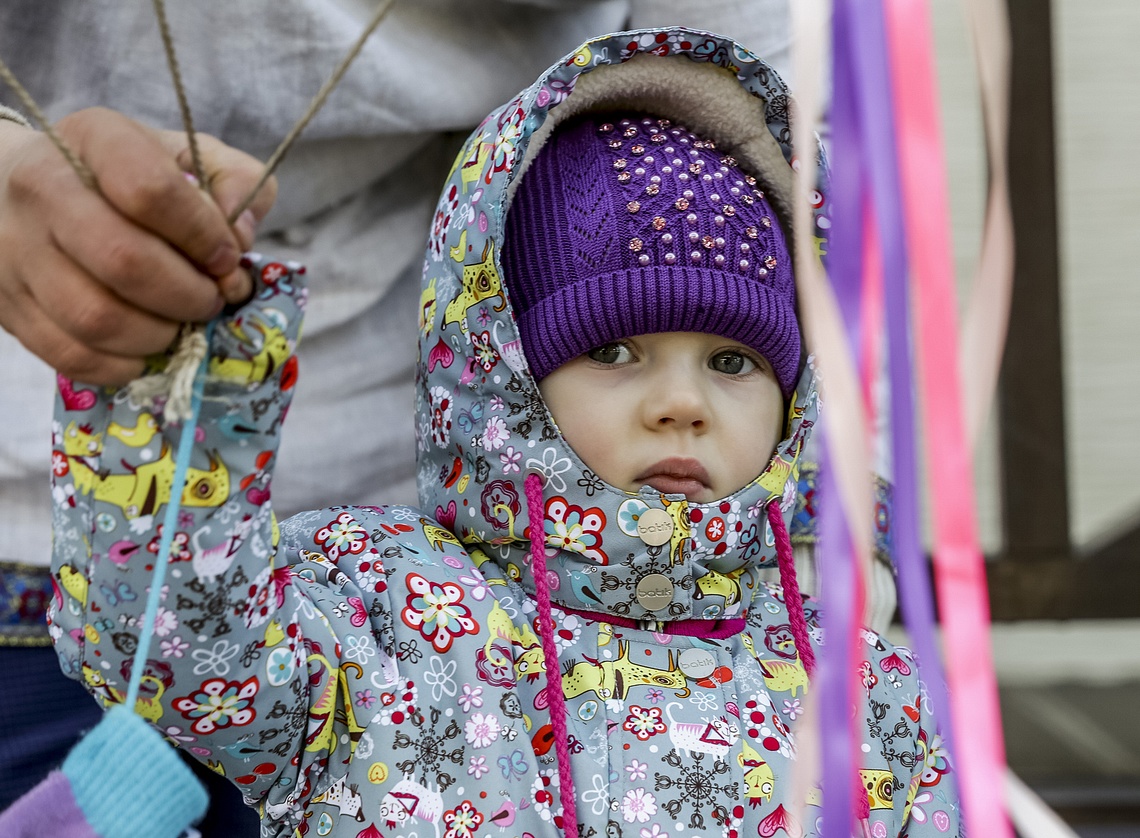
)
(696, 249)
(629, 138)
(722, 174)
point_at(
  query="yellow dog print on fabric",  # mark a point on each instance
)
(146, 488)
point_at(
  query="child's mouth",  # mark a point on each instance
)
(675, 485)
(676, 476)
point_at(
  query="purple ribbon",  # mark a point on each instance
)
(863, 150)
(869, 48)
(836, 559)
(836, 673)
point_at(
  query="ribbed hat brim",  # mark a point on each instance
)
(659, 298)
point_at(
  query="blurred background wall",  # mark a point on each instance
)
(1058, 467)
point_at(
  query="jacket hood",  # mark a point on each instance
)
(482, 424)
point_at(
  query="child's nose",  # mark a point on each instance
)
(677, 403)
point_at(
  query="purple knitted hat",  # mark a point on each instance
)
(625, 227)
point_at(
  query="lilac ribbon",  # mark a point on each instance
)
(876, 115)
(863, 151)
(837, 567)
(845, 242)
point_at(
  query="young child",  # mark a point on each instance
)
(570, 636)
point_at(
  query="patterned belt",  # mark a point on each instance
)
(25, 592)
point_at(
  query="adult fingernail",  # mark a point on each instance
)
(236, 287)
(246, 229)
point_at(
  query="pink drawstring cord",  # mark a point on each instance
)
(532, 486)
(791, 586)
(536, 512)
(863, 811)
(794, 603)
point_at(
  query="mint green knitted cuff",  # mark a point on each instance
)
(129, 782)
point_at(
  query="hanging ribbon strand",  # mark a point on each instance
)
(865, 39)
(841, 586)
(877, 120)
(888, 211)
(987, 310)
(845, 496)
(958, 563)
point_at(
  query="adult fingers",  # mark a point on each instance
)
(140, 178)
(43, 204)
(70, 357)
(232, 179)
(91, 314)
(45, 295)
(137, 267)
(231, 176)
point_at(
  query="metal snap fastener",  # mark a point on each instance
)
(655, 527)
(697, 663)
(654, 591)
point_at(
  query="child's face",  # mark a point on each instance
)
(684, 412)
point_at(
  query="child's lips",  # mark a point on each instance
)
(676, 476)
(675, 485)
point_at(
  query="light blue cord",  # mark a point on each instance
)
(169, 525)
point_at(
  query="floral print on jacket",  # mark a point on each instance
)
(365, 672)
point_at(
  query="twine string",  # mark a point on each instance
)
(314, 106)
(180, 93)
(176, 382)
(85, 174)
(178, 376)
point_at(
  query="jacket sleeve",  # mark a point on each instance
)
(933, 809)
(244, 668)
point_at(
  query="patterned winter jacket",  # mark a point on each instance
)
(378, 671)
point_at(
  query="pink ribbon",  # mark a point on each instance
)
(958, 564)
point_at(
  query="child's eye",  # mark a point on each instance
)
(732, 363)
(610, 353)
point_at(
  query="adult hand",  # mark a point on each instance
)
(94, 281)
